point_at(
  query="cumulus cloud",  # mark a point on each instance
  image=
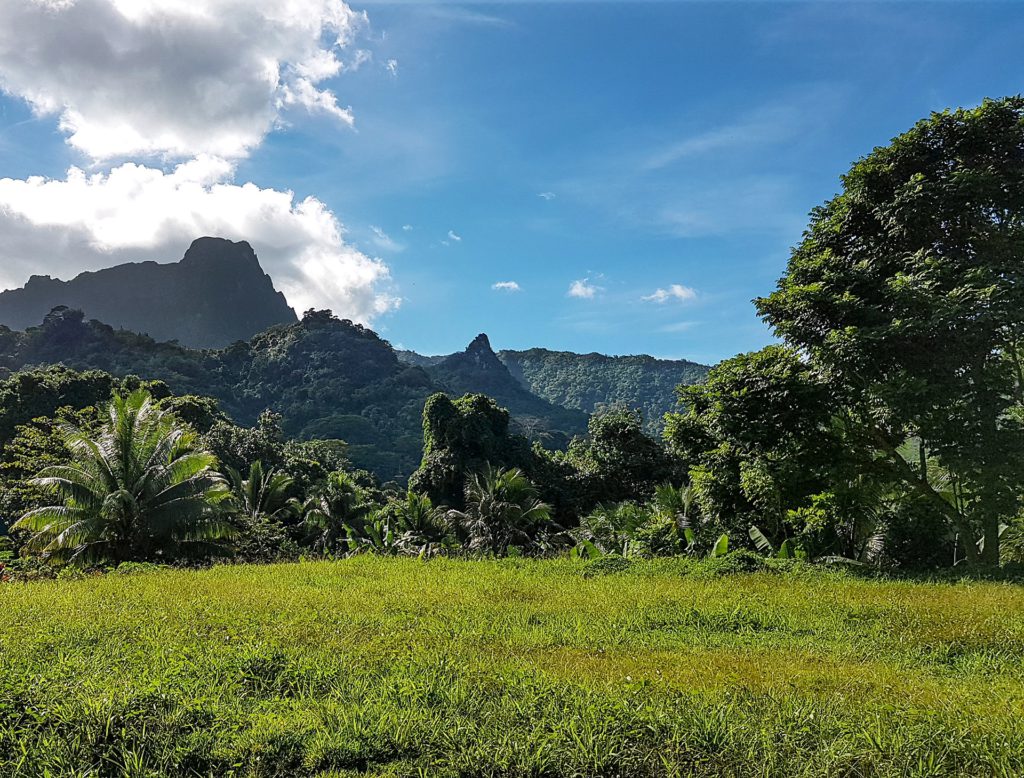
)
(583, 289)
(175, 78)
(89, 221)
(506, 286)
(675, 292)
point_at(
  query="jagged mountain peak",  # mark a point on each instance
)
(215, 295)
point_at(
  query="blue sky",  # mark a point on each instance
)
(668, 151)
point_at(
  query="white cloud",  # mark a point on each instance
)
(549, 196)
(407, 228)
(134, 212)
(175, 78)
(384, 241)
(506, 286)
(453, 236)
(391, 66)
(583, 289)
(679, 326)
(676, 292)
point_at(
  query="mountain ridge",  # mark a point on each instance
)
(215, 295)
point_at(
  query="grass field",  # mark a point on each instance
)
(401, 667)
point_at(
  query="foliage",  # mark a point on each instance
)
(338, 517)
(461, 439)
(260, 510)
(503, 510)
(905, 295)
(135, 490)
(594, 382)
(617, 461)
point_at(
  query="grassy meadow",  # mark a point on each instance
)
(375, 666)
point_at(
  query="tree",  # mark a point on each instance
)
(502, 510)
(423, 527)
(462, 438)
(137, 489)
(907, 293)
(618, 461)
(340, 511)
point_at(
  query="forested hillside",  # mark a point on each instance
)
(479, 370)
(328, 378)
(217, 294)
(589, 381)
(582, 382)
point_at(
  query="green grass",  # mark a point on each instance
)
(443, 668)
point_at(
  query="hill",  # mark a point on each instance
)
(383, 667)
(587, 382)
(478, 370)
(216, 295)
(581, 382)
(328, 378)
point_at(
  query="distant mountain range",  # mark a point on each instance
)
(217, 294)
(329, 378)
(585, 382)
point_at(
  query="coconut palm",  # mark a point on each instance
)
(423, 527)
(502, 510)
(263, 496)
(340, 511)
(138, 488)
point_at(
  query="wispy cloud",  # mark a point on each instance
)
(384, 241)
(506, 286)
(675, 292)
(466, 16)
(391, 66)
(678, 326)
(453, 236)
(549, 196)
(407, 228)
(583, 289)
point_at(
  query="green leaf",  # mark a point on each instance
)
(761, 543)
(721, 547)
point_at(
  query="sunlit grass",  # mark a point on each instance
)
(402, 667)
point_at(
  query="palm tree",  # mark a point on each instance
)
(138, 488)
(340, 511)
(502, 510)
(263, 496)
(424, 528)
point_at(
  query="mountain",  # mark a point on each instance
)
(581, 382)
(478, 370)
(216, 295)
(328, 378)
(587, 382)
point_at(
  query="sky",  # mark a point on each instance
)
(619, 177)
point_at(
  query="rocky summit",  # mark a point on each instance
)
(216, 295)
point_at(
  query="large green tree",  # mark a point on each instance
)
(136, 489)
(907, 294)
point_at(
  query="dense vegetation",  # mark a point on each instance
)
(217, 294)
(584, 382)
(592, 382)
(388, 667)
(886, 429)
(327, 378)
